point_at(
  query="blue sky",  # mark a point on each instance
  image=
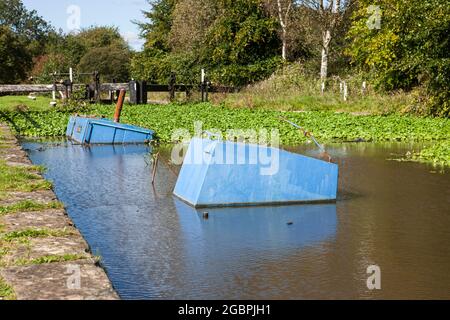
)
(117, 13)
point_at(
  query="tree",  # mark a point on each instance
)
(99, 37)
(242, 33)
(283, 15)
(26, 24)
(111, 62)
(191, 20)
(242, 44)
(15, 59)
(408, 49)
(66, 51)
(157, 30)
(282, 9)
(235, 40)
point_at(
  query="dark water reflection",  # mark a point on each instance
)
(395, 215)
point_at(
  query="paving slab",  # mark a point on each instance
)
(48, 219)
(60, 281)
(41, 196)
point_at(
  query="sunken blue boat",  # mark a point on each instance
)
(103, 131)
(220, 174)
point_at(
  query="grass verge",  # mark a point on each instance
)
(33, 234)
(49, 259)
(29, 206)
(25, 179)
(6, 292)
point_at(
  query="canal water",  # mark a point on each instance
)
(391, 214)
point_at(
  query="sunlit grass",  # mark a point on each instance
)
(6, 292)
(29, 206)
(32, 234)
(22, 178)
(23, 103)
(49, 259)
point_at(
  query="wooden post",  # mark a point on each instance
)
(172, 83)
(143, 92)
(188, 93)
(134, 92)
(97, 87)
(202, 89)
(111, 93)
(119, 106)
(206, 90)
(66, 84)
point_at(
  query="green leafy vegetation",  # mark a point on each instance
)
(409, 49)
(439, 154)
(49, 259)
(6, 292)
(29, 206)
(328, 126)
(50, 123)
(32, 233)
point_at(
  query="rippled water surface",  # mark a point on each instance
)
(394, 215)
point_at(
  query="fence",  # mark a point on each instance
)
(138, 90)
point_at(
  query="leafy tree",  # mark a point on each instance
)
(240, 41)
(410, 48)
(190, 22)
(111, 62)
(99, 37)
(26, 24)
(235, 40)
(78, 50)
(15, 59)
(157, 30)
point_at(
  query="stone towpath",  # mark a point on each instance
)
(42, 254)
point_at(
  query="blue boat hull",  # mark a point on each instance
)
(102, 131)
(205, 181)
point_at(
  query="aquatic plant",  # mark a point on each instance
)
(439, 154)
(164, 119)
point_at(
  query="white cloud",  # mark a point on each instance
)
(133, 40)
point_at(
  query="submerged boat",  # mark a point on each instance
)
(88, 130)
(222, 173)
(103, 131)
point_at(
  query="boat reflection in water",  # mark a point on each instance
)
(259, 228)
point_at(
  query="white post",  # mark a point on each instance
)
(364, 87)
(54, 87)
(71, 75)
(345, 91)
(203, 75)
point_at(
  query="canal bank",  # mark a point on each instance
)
(43, 256)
